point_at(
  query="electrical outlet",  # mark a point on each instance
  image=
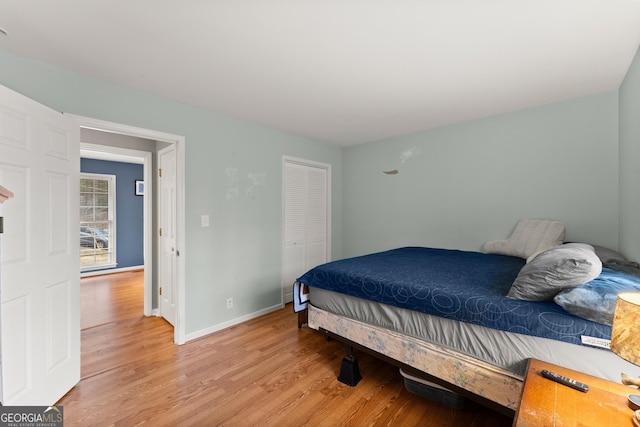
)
(229, 302)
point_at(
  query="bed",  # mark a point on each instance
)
(445, 313)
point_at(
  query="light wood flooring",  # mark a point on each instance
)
(264, 372)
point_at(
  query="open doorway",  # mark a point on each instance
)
(152, 275)
(105, 152)
(112, 226)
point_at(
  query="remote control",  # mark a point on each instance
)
(569, 382)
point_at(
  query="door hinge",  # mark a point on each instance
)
(161, 291)
(160, 172)
(160, 232)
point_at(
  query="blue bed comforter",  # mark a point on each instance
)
(461, 285)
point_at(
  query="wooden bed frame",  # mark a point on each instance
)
(484, 383)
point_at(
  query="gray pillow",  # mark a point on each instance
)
(554, 270)
(596, 300)
(613, 259)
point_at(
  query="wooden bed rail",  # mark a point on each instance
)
(484, 383)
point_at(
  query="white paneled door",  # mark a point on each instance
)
(167, 239)
(40, 295)
(306, 207)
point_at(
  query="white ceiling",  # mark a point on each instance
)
(340, 71)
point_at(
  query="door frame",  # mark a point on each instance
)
(179, 334)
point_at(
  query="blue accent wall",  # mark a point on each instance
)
(129, 208)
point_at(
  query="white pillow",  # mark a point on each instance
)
(530, 237)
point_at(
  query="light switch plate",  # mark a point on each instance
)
(204, 220)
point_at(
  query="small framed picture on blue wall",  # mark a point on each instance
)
(139, 188)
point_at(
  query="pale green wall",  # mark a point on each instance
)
(629, 160)
(472, 182)
(240, 254)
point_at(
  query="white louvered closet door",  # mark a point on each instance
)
(306, 220)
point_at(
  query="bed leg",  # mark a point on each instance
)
(303, 318)
(349, 371)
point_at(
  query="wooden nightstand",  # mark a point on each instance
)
(547, 403)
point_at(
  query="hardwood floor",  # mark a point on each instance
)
(111, 298)
(264, 372)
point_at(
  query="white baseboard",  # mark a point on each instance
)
(111, 271)
(232, 322)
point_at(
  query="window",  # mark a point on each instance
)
(97, 221)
